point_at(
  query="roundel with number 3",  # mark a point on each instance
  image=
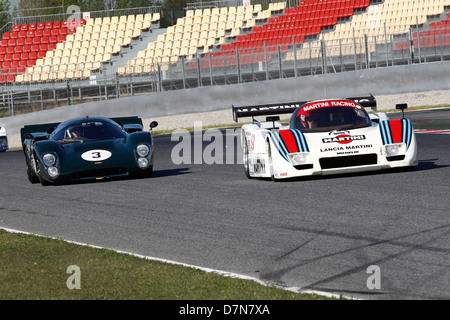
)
(96, 155)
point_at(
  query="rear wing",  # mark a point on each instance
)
(36, 128)
(129, 124)
(122, 121)
(286, 108)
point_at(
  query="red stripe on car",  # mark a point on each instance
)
(289, 140)
(396, 129)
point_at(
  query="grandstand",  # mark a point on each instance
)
(270, 38)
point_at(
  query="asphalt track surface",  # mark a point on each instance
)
(321, 234)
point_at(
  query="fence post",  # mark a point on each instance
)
(295, 56)
(159, 79)
(117, 85)
(366, 49)
(12, 112)
(238, 65)
(210, 70)
(354, 47)
(42, 99)
(411, 45)
(280, 65)
(199, 75)
(265, 61)
(183, 72)
(324, 56)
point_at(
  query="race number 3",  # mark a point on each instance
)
(96, 155)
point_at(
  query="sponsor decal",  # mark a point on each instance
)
(259, 165)
(347, 149)
(344, 139)
(268, 108)
(327, 104)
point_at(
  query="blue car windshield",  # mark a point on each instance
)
(91, 130)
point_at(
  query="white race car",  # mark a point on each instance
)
(324, 137)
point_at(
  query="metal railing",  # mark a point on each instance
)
(216, 67)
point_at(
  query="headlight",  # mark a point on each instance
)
(142, 163)
(53, 172)
(395, 149)
(299, 158)
(142, 150)
(49, 159)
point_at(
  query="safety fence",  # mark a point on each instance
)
(221, 67)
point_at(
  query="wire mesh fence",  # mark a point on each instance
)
(223, 67)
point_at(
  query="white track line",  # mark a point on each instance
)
(220, 272)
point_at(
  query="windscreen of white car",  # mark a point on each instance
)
(331, 115)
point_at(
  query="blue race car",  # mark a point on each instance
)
(90, 148)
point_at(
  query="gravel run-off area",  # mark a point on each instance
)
(225, 117)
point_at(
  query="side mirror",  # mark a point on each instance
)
(402, 106)
(273, 119)
(28, 136)
(153, 124)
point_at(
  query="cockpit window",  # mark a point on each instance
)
(90, 130)
(330, 115)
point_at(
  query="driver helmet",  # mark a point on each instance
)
(74, 132)
(309, 120)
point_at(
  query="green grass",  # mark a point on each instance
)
(33, 267)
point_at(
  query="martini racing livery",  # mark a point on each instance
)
(324, 137)
(90, 148)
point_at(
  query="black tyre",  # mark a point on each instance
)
(269, 152)
(245, 159)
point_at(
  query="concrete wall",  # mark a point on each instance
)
(381, 81)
